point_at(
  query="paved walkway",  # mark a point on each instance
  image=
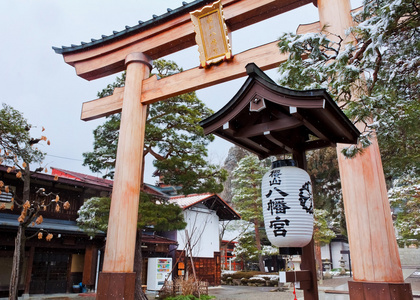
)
(330, 289)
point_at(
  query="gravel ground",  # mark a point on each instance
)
(226, 292)
(252, 293)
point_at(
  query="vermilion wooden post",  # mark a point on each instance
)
(310, 292)
(117, 280)
(376, 263)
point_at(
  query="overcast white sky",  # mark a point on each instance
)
(37, 82)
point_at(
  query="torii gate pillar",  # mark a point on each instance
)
(375, 258)
(117, 279)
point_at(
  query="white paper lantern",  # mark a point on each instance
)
(287, 205)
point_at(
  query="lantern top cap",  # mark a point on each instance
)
(283, 163)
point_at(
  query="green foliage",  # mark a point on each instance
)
(94, 215)
(405, 201)
(154, 214)
(376, 82)
(247, 201)
(247, 188)
(326, 186)
(160, 215)
(104, 147)
(173, 137)
(15, 140)
(246, 248)
(376, 79)
(322, 233)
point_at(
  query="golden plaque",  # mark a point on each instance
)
(211, 34)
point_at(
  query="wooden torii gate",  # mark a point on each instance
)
(376, 264)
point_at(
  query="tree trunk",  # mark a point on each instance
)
(18, 258)
(138, 268)
(258, 244)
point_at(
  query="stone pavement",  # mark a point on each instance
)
(330, 289)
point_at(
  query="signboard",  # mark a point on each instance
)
(211, 34)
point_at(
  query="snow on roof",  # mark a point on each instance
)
(212, 201)
(189, 200)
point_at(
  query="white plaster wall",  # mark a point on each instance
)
(203, 229)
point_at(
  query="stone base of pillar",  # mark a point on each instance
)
(362, 290)
(116, 286)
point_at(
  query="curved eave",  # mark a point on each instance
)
(316, 94)
(256, 74)
(130, 30)
(320, 113)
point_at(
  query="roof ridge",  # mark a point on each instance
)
(191, 195)
(170, 13)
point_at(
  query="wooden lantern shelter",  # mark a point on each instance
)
(376, 261)
(268, 120)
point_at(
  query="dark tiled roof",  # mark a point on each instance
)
(129, 30)
(155, 239)
(50, 225)
(98, 183)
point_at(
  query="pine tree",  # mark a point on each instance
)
(173, 137)
(247, 197)
(405, 201)
(376, 81)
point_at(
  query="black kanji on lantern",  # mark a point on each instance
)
(275, 175)
(277, 205)
(305, 197)
(278, 225)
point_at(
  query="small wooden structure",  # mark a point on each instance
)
(268, 119)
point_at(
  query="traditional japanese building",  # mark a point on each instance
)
(71, 257)
(200, 241)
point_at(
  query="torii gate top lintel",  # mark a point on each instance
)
(163, 35)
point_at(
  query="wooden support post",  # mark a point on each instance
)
(89, 266)
(303, 277)
(122, 228)
(29, 267)
(310, 288)
(373, 247)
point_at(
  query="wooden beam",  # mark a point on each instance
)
(310, 126)
(169, 36)
(298, 276)
(317, 144)
(279, 143)
(265, 57)
(103, 107)
(276, 125)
